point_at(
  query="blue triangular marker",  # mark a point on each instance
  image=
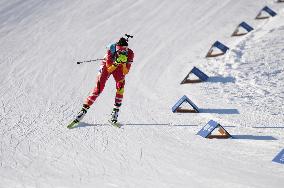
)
(201, 75)
(267, 10)
(176, 108)
(218, 45)
(208, 128)
(221, 46)
(197, 72)
(279, 157)
(206, 131)
(244, 25)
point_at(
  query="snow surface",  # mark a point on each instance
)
(42, 89)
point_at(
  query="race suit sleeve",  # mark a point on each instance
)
(126, 66)
(108, 59)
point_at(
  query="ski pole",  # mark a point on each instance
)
(99, 59)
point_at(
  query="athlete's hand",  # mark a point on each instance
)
(121, 59)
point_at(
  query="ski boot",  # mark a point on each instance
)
(79, 117)
(114, 115)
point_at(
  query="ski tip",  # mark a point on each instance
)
(72, 125)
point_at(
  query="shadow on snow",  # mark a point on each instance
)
(83, 124)
(219, 111)
(252, 137)
(220, 79)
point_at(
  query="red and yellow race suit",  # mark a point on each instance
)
(109, 66)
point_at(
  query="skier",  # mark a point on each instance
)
(117, 62)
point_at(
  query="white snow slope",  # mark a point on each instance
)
(42, 88)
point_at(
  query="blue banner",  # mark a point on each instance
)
(246, 26)
(201, 75)
(208, 128)
(269, 11)
(221, 46)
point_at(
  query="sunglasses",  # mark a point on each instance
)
(121, 48)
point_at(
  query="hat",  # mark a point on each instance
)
(122, 42)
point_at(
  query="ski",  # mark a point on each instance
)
(118, 125)
(73, 124)
(79, 117)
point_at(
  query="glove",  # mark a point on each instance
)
(121, 59)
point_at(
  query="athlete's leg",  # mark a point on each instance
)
(100, 84)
